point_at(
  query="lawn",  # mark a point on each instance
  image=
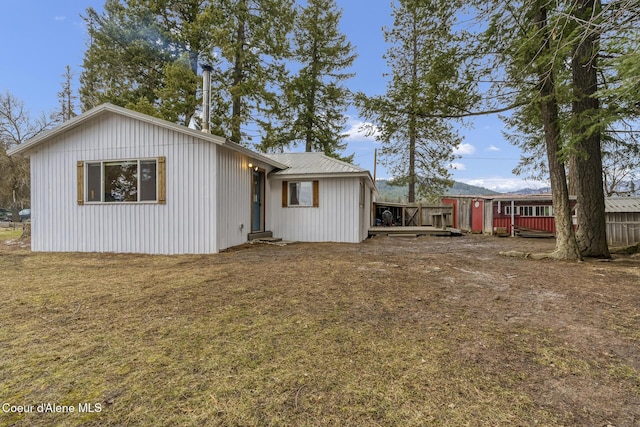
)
(10, 233)
(411, 332)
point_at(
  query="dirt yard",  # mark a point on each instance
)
(393, 331)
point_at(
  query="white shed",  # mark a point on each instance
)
(622, 215)
(114, 180)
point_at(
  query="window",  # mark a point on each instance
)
(300, 193)
(537, 210)
(131, 181)
(544, 211)
(507, 210)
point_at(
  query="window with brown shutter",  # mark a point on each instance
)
(300, 194)
(285, 194)
(162, 180)
(316, 194)
(80, 184)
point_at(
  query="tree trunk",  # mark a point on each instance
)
(591, 231)
(566, 245)
(238, 76)
(413, 118)
(412, 164)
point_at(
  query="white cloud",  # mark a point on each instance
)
(59, 18)
(492, 148)
(458, 166)
(464, 149)
(358, 130)
(504, 185)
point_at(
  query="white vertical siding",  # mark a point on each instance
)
(185, 224)
(336, 219)
(365, 210)
(234, 199)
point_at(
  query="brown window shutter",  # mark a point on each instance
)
(80, 182)
(285, 195)
(162, 180)
(316, 194)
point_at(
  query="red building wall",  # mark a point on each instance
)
(542, 223)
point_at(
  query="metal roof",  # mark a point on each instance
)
(313, 164)
(622, 204)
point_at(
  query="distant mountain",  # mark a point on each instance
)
(398, 194)
(462, 189)
(543, 190)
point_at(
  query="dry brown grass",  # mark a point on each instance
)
(383, 333)
(10, 233)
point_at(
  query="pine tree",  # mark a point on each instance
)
(426, 81)
(146, 54)
(125, 57)
(527, 67)
(316, 99)
(253, 43)
(587, 132)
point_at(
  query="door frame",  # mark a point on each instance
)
(260, 173)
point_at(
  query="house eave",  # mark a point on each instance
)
(281, 175)
(24, 148)
(252, 154)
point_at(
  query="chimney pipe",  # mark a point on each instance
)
(206, 96)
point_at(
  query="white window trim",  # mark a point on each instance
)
(537, 211)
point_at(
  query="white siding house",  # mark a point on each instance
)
(341, 198)
(114, 180)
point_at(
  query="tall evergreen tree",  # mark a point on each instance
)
(253, 43)
(527, 68)
(425, 61)
(145, 54)
(125, 57)
(315, 97)
(580, 34)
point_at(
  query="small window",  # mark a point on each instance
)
(300, 193)
(516, 210)
(123, 181)
(537, 211)
(148, 180)
(544, 211)
(94, 182)
(120, 181)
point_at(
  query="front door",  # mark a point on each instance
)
(257, 201)
(477, 216)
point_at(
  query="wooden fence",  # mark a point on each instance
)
(415, 214)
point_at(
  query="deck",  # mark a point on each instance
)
(398, 231)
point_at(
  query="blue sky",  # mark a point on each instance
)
(40, 38)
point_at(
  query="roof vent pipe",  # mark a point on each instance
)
(206, 96)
